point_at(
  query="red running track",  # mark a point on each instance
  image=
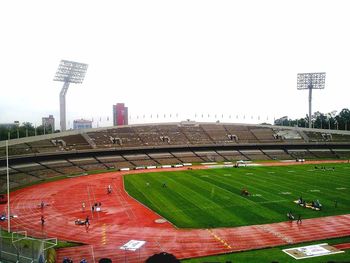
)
(122, 218)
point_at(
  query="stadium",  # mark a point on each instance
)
(175, 188)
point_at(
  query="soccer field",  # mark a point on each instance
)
(212, 198)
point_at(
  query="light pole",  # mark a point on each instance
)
(311, 81)
(8, 188)
(68, 72)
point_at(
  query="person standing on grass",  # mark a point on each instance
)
(290, 216)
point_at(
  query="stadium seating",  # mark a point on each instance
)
(176, 137)
(242, 133)
(277, 154)
(255, 155)
(264, 135)
(210, 156)
(144, 145)
(232, 155)
(218, 133)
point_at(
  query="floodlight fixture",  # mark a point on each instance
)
(311, 81)
(68, 72)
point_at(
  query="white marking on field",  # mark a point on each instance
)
(204, 175)
(273, 201)
(314, 190)
(340, 188)
(258, 195)
(249, 173)
(270, 172)
(291, 171)
(227, 174)
(212, 192)
(285, 193)
(311, 170)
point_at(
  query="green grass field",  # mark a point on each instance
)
(276, 254)
(211, 198)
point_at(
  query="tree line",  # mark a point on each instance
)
(331, 120)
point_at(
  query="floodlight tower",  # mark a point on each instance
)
(68, 72)
(311, 81)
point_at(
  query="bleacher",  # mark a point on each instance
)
(149, 135)
(44, 146)
(210, 156)
(242, 133)
(46, 173)
(140, 160)
(340, 138)
(255, 155)
(101, 139)
(196, 135)
(277, 154)
(323, 153)
(127, 136)
(23, 178)
(231, 155)
(164, 158)
(264, 135)
(218, 133)
(342, 153)
(176, 137)
(20, 149)
(187, 157)
(301, 154)
(76, 142)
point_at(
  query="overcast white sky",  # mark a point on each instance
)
(238, 58)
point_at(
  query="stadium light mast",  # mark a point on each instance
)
(68, 72)
(311, 81)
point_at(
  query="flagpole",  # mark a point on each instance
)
(8, 188)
